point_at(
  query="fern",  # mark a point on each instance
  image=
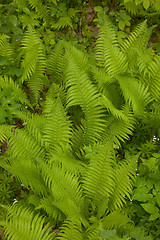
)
(6, 49)
(33, 63)
(24, 224)
(82, 92)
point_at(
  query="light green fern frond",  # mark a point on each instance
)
(41, 8)
(6, 82)
(33, 63)
(70, 230)
(23, 224)
(99, 179)
(82, 92)
(136, 94)
(119, 130)
(5, 132)
(55, 63)
(117, 220)
(65, 191)
(57, 130)
(125, 175)
(6, 48)
(108, 52)
(62, 23)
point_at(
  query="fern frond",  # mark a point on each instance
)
(41, 9)
(70, 230)
(6, 49)
(99, 177)
(23, 145)
(65, 191)
(125, 175)
(79, 57)
(6, 82)
(118, 219)
(63, 156)
(57, 129)
(47, 203)
(82, 92)
(34, 63)
(34, 124)
(62, 23)
(136, 94)
(23, 224)
(55, 63)
(108, 52)
(5, 132)
(119, 130)
(135, 36)
(102, 78)
(115, 112)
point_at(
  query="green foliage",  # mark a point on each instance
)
(85, 150)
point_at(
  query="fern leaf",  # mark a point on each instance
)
(22, 224)
(57, 129)
(55, 63)
(65, 190)
(82, 92)
(5, 132)
(116, 112)
(119, 130)
(6, 82)
(125, 178)
(137, 34)
(6, 49)
(70, 230)
(99, 177)
(33, 64)
(108, 52)
(62, 23)
(136, 94)
(117, 219)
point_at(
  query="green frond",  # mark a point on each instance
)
(131, 7)
(154, 83)
(125, 175)
(65, 191)
(23, 224)
(47, 203)
(144, 61)
(55, 91)
(77, 56)
(34, 62)
(41, 8)
(135, 36)
(82, 92)
(6, 48)
(70, 230)
(77, 140)
(117, 220)
(135, 93)
(34, 124)
(6, 82)
(5, 132)
(63, 22)
(55, 63)
(63, 156)
(25, 145)
(111, 108)
(108, 52)
(119, 130)
(102, 79)
(99, 177)
(57, 130)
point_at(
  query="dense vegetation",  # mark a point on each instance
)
(79, 120)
